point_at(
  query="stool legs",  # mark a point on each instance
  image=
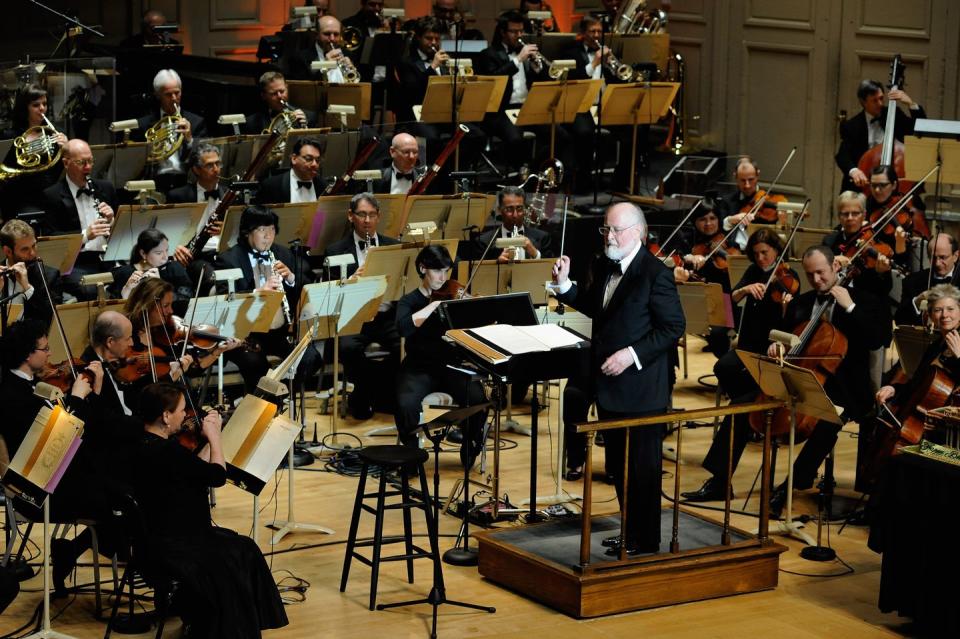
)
(354, 522)
(377, 540)
(407, 528)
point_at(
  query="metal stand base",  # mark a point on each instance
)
(818, 553)
(135, 624)
(461, 557)
(283, 528)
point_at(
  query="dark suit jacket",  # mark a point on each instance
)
(258, 122)
(276, 188)
(198, 127)
(346, 246)
(539, 238)
(853, 140)
(494, 61)
(62, 217)
(383, 184)
(239, 257)
(913, 285)
(644, 313)
(38, 306)
(866, 328)
(575, 51)
(187, 194)
(413, 75)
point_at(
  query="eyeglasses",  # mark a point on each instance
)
(880, 185)
(310, 159)
(81, 163)
(606, 230)
(367, 215)
(45, 349)
(850, 213)
(518, 208)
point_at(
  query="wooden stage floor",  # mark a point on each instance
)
(808, 602)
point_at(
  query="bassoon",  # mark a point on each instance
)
(421, 184)
(337, 187)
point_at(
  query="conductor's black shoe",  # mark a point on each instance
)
(455, 436)
(611, 542)
(777, 501)
(712, 490)
(361, 413)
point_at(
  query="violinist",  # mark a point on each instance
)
(225, 588)
(111, 340)
(864, 320)
(21, 272)
(366, 373)
(268, 266)
(23, 192)
(844, 240)
(865, 130)
(424, 369)
(944, 252)
(150, 258)
(706, 235)
(513, 223)
(763, 310)
(908, 227)
(735, 208)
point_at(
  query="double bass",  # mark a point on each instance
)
(890, 152)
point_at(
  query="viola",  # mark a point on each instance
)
(61, 375)
(767, 213)
(202, 336)
(909, 218)
(711, 244)
(867, 259)
(136, 364)
(451, 290)
(784, 283)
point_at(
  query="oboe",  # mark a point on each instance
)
(285, 303)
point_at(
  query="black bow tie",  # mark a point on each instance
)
(941, 280)
(212, 194)
(304, 184)
(613, 267)
(260, 257)
(84, 191)
(362, 244)
(877, 120)
(404, 176)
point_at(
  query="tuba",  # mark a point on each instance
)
(163, 138)
(36, 155)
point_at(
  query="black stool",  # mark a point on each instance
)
(402, 459)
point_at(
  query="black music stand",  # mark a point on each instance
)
(438, 592)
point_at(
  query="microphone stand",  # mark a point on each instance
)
(595, 208)
(66, 34)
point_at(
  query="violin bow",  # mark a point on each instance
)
(673, 233)
(756, 205)
(783, 254)
(56, 316)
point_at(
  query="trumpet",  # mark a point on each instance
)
(164, 137)
(347, 70)
(541, 61)
(352, 39)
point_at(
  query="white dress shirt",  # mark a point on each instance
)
(88, 214)
(518, 87)
(214, 240)
(334, 75)
(298, 194)
(401, 186)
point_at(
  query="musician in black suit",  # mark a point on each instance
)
(864, 320)
(328, 46)
(865, 130)
(23, 274)
(367, 374)
(274, 94)
(167, 88)
(205, 164)
(944, 252)
(404, 169)
(148, 35)
(268, 266)
(637, 321)
(734, 208)
(506, 57)
(71, 208)
(367, 21)
(301, 182)
(513, 222)
(425, 59)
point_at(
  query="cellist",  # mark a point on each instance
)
(863, 319)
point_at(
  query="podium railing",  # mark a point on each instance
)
(679, 418)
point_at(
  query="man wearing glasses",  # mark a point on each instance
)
(73, 207)
(403, 170)
(301, 182)
(637, 320)
(852, 213)
(514, 223)
(371, 358)
(205, 164)
(865, 129)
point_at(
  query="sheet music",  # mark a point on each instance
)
(527, 339)
(273, 446)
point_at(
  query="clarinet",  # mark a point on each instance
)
(96, 200)
(285, 303)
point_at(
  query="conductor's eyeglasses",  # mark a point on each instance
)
(607, 230)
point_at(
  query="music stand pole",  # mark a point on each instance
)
(46, 632)
(820, 552)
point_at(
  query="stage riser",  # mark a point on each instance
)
(673, 580)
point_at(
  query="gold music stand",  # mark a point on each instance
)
(317, 96)
(557, 102)
(634, 104)
(521, 276)
(450, 213)
(60, 251)
(476, 96)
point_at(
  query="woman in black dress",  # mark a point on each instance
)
(225, 586)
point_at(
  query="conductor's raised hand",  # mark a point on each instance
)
(561, 270)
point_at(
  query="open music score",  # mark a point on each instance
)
(60, 251)
(451, 213)
(255, 441)
(178, 222)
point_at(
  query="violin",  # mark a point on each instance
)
(711, 244)
(866, 259)
(136, 365)
(767, 213)
(451, 290)
(909, 218)
(202, 336)
(61, 375)
(784, 283)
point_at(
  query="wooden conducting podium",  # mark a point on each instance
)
(634, 104)
(558, 102)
